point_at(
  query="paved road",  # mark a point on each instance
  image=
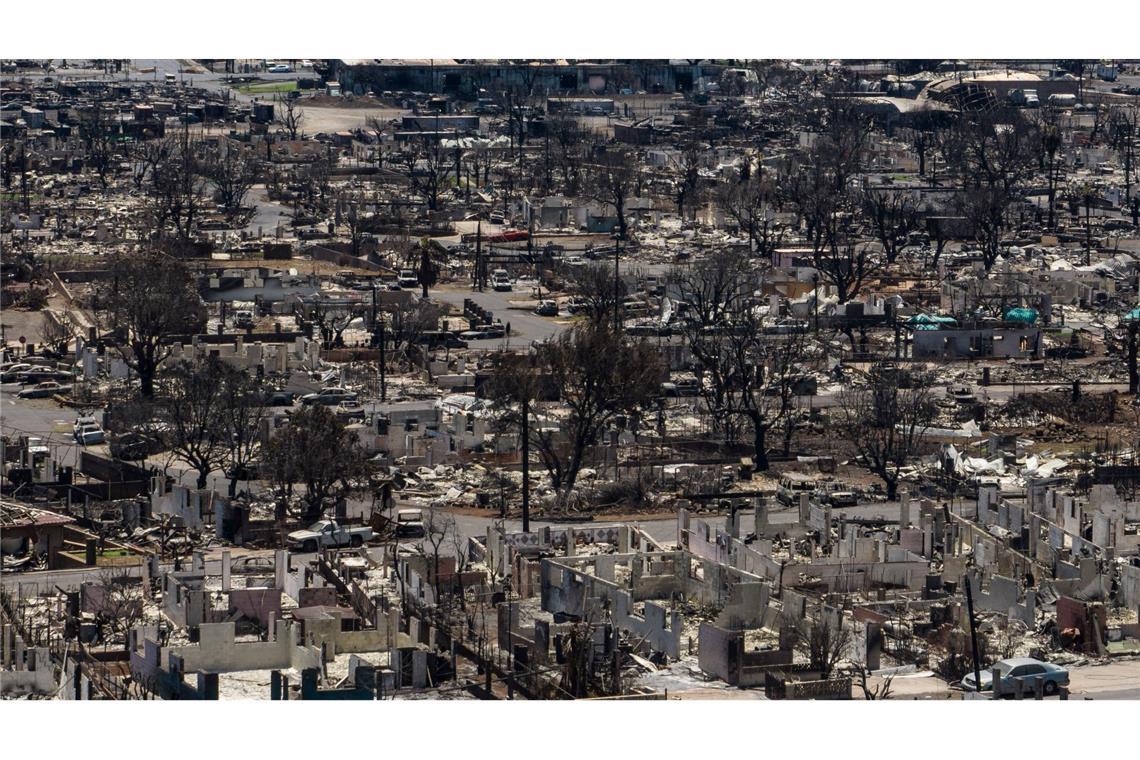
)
(526, 326)
(52, 423)
(1119, 679)
(208, 80)
(267, 214)
(162, 66)
(39, 417)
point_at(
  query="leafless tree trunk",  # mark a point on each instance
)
(292, 117)
(885, 423)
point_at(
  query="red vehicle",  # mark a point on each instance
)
(510, 236)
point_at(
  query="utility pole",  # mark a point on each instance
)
(815, 300)
(479, 255)
(973, 633)
(546, 154)
(1133, 376)
(458, 158)
(895, 324)
(1088, 229)
(373, 322)
(617, 287)
(383, 362)
(526, 463)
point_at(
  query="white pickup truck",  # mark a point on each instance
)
(326, 534)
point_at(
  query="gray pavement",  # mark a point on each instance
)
(526, 326)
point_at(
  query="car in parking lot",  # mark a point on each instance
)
(328, 397)
(486, 332)
(1020, 673)
(495, 330)
(88, 432)
(441, 339)
(280, 398)
(134, 447)
(44, 390)
(546, 308)
(840, 498)
(42, 375)
(11, 371)
(280, 68)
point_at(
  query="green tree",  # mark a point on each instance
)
(147, 298)
(316, 450)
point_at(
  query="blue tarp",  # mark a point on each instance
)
(930, 322)
(1021, 314)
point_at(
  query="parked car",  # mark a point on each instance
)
(441, 339)
(408, 279)
(247, 471)
(280, 398)
(961, 393)
(349, 410)
(280, 68)
(791, 486)
(687, 387)
(42, 375)
(841, 498)
(577, 304)
(327, 533)
(12, 371)
(500, 280)
(134, 446)
(44, 390)
(328, 397)
(410, 523)
(487, 332)
(546, 309)
(1020, 673)
(88, 432)
(495, 331)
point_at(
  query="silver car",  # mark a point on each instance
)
(1020, 673)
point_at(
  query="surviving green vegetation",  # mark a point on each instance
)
(261, 88)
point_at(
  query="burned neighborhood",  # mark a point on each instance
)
(570, 379)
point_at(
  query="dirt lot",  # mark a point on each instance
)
(342, 118)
